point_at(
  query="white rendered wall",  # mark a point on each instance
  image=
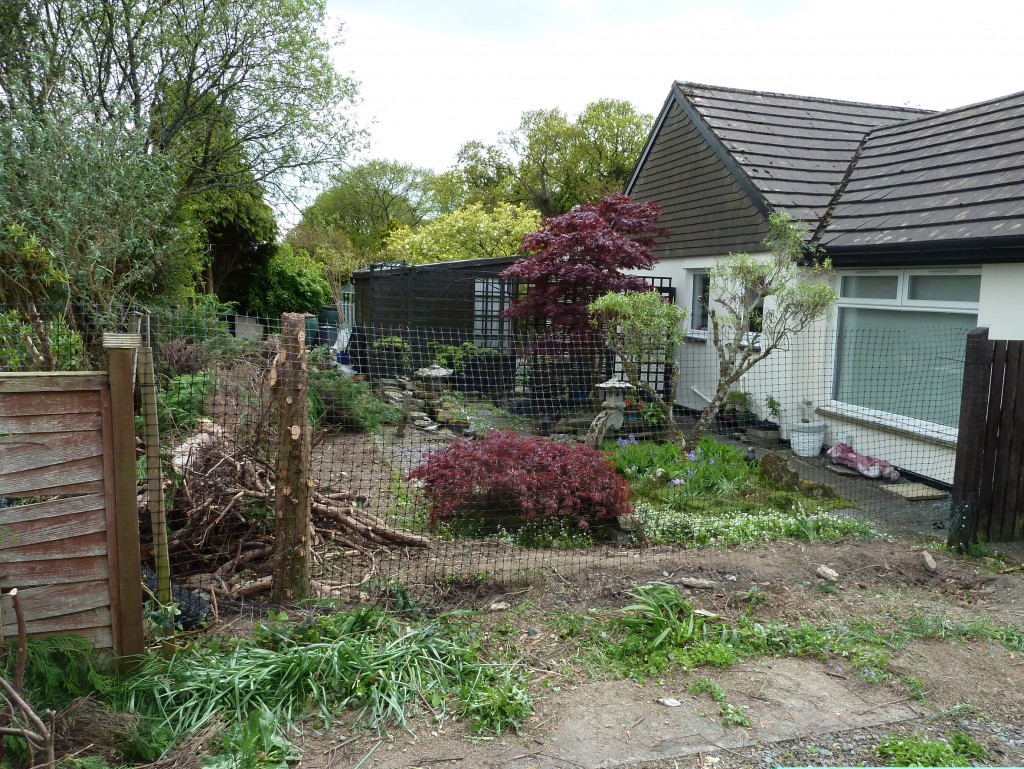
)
(1002, 295)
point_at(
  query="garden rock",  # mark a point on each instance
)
(776, 469)
(818, 489)
(827, 574)
(450, 416)
(929, 561)
(696, 583)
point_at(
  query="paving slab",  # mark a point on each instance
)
(620, 724)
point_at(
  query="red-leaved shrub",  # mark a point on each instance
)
(542, 477)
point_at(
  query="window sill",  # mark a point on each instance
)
(919, 429)
(700, 337)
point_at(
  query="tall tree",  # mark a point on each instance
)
(183, 71)
(552, 163)
(471, 232)
(583, 254)
(368, 201)
(103, 212)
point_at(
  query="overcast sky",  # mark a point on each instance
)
(437, 73)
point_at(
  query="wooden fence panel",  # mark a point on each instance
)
(63, 552)
(988, 490)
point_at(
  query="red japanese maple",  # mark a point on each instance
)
(581, 255)
(542, 477)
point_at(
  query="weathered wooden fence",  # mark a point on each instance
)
(988, 483)
(67, 447)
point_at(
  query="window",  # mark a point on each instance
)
(900, 341)
(699, 298)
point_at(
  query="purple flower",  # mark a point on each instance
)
(676, 482)
(691, 456)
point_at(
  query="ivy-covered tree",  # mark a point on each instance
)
(583, 254)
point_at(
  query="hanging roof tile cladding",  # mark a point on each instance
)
(952, 178)
(795, 150)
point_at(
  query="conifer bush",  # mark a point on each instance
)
(540, 477)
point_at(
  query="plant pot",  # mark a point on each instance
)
(806, 438)
(764, 432)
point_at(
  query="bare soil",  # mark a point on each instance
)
(803, 711)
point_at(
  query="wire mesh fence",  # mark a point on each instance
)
(377, 463)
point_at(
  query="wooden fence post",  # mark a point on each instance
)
(128, 613)
(292, 544)
(154, 474)
(971, 439)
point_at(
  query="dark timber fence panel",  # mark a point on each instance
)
(987, 483)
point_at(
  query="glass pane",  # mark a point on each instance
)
(698, 311)
(905, 363)
(869, 286)
(945, 288)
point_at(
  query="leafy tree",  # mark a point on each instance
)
(292, 282)
(96, 215)
(239, 231)
(368, 202)
(642, 328)
(778, 296)
(180, 73)
(578, 256)
(472, 232)
(552, 163)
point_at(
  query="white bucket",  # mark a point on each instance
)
(806, 438)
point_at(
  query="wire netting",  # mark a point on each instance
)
(377, 462)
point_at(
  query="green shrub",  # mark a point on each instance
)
(293, 282)
(338, 402)
(918, 750)
(66, 347)
(181, 403)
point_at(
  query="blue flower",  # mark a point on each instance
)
(691, 456)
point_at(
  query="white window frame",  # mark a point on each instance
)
(700, 334)
(885, 420)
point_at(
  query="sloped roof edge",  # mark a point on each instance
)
(678, 96)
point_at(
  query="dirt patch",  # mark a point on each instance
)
(802, 711)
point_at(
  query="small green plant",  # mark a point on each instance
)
(734, 715)
(773, 408)
(495, 703)
(915, 688)
(454, 356)
(256, 743)
(396, 346)
(337, 401)
(706, 685)
(739, 401)
(919, 750)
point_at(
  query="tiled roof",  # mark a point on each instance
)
(795, 150)
(952, 177)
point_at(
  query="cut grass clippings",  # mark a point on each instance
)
(363, 660)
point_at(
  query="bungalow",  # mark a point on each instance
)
(921, 213)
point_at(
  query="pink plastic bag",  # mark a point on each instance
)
(869, 467)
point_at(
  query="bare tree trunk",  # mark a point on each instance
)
(292, 505)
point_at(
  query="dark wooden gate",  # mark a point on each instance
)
(988, 483)
(69, 536)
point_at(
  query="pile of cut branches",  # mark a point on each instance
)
(222, 521)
